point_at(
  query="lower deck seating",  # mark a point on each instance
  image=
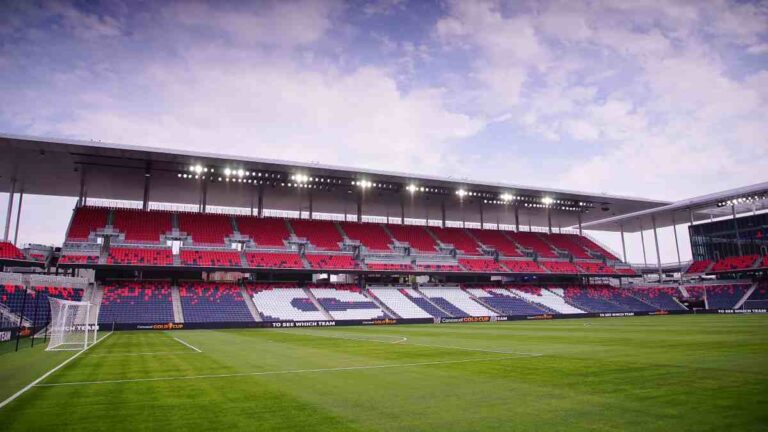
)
(504, 302)
(456, 301)
(725, 296)
(592, 300)
(213, 302)
(661, 298)
(136, 256)
(423, 303)
(288, 260)
(759, 297)
(210, 258)
(398, 302)
(331, 262)
(136, 303)
(283, 303)
(33, 304)
(551, 298)
(347, 302)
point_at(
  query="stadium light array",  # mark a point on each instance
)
(461, 193)
(506, 197)
(412, 188)
(547, 200)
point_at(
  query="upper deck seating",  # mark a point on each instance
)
(587, 243)
(142, 226)
(389, 266)
(530, 240)
(370, 235)
(699, 266)
(265, 232)
(136, 303)
(414, 235)
(79, 259)
(136, 256)
(206, 228)
(438, 267)
(735, 263)
(459, 238)
(591, 267)
(498, 241)
(210, 258)
(321, 233)
(213, 302)
(287, 260)
(85, 221)
(564, 242)
(522, 266)
(331, 262)
(485, 265)
(560, 267)
(9, 251)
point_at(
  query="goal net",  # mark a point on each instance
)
(73, 326)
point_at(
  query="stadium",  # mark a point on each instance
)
(173, 261)
(383, 215)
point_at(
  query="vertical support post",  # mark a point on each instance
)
(10, 210)
(642, 242)
(205, 195)
(623, 245)
(549, 219)
(252, 199)
(81, 195)
(311, 213)
(482, 219)
(402, 212)
(360, 206)
(442, 213)
(736, 229)
(656, 241)
(260, 208)
(580, 223)
(677, 244)
(517, 219)
(18, 219)
(145, 201)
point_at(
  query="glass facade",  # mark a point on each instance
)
(746, 235)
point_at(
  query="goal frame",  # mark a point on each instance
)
(60, 325)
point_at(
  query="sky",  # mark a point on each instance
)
(654, 99)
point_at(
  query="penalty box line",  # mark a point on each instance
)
(404, 341)
(284, 372)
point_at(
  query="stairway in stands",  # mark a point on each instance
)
(178, 312)
(250, 304)
(317, 304)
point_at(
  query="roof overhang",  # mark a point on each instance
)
(703, 208)
(60, 167)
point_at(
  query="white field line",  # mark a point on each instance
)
(403, 341)
(283, 372)
(143, 353)
(49, 373)
(188, 345)
(400, 339)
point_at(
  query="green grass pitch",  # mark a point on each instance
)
(674, 373)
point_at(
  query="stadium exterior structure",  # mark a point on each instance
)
(145, 214)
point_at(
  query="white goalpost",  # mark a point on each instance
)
(72, 327)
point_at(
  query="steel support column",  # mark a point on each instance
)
(642, 242)
(677, 244)
(145, 200)
(260, 205)
(579, 223)
(736, 229)
(11, 193)
(517, 220)
(623, 245)
(360, 207)
(18, 219)
(656, 241)
(311, 209)
(480, 205)
(442, 214)
(549, 220)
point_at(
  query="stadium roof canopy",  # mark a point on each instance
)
(717, 205)
(61, 167)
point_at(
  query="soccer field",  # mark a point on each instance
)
(644, 373)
